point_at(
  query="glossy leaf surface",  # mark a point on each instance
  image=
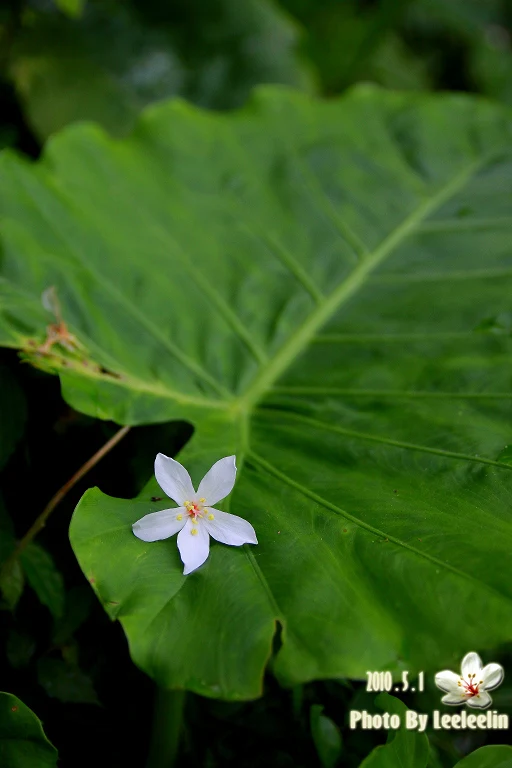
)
(322, 289)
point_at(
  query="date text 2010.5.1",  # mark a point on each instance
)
(383, 681)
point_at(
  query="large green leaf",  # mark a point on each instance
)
(323, 290)
(118, 56)
(23, 743)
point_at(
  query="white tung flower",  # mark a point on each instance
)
(471, 686)
(195, 519)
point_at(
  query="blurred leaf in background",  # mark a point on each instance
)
(474, 45)
(404, 748)
(66, 681)
(353, 40)
(72, 8)
(409, 44)
(105, 61)
(20, 647)
(7, 539)
(488, 757)
(78, 605)
(44, 578)
(326, 736)
(116, 57)
(12, 421)
(11, 584)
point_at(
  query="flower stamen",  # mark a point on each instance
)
(470, 687)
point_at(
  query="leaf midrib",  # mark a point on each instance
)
(305, 333)
(326, 307)
(324, 311)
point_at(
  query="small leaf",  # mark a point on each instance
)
(326, 736)
(487, 757)
(23, 743)
(11, 574)
(404, 748)
(7, 539)
(66, 682)
(11, 583)
(44, 578)
(20, 647)
(78, 605)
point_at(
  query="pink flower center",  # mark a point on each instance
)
(195, 509)
(471, 688)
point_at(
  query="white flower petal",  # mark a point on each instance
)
(173, 479)
(218, 481)
(194, 549)
(492, 675)
(482, 701)
(471, 665)
(160, 525)
(230, 529)
(448, 681)
(453, 699)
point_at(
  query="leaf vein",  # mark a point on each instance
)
(366, 526)
(345, 290)
(129, 307)
(385, 440)
(326, 391)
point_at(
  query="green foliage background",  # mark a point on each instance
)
(420, 424)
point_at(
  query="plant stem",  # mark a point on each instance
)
(166, 731)
(40, 522)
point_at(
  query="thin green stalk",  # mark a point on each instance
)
(41, 521)
(166, 731)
